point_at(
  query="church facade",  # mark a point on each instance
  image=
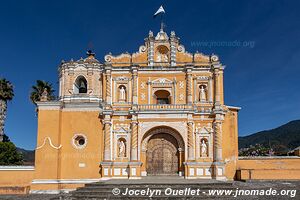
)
(159, 111)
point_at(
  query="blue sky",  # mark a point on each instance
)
(261, 75)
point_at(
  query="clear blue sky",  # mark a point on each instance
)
(262, 78)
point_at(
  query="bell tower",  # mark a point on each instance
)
(81, 80)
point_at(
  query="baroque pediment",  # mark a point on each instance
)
(162, 81)
(161, 50)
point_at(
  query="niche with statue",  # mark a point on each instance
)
(121, 148)
(204, 147)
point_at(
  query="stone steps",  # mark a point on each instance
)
(102, 190)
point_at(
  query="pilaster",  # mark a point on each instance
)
(191, 141)
(107, 138)
(134, 140)
(189, 80)
(135, 84)
(108, 83)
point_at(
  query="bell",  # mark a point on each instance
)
(82, 85)
(82, 88)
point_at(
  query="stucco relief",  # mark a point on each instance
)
(180, 127)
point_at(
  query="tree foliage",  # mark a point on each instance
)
(9, 154)
(6, 94)
(6, 90)
(38, 89)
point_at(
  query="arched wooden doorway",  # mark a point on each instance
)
(162, 155)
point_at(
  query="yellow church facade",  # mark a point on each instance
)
(159, 111)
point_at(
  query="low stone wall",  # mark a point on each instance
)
(268, 168)
(15, 179)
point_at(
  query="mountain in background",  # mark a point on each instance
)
(281, 139)
(28, 156)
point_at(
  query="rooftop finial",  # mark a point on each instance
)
(90, 54)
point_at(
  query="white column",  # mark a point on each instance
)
(210, 89)
(149, 91)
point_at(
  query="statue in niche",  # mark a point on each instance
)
(122, 149)
(202, 93)
(122, 94)
(204, 149)
(162, 57)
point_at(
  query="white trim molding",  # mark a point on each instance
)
(50, 142)
(17, 168)
(51, 191)
(64, 181)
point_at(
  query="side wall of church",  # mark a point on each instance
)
(58, 157)
(80, 162)
(230, 143)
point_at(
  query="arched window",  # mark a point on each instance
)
(80, 85)
(162, 97)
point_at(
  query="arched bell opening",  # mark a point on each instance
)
(80, 85)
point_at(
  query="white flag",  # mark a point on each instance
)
(159, 11)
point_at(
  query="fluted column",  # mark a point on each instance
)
(134, 141)
(217, 141)
(107, 140)
(191, 143)
(189, 84)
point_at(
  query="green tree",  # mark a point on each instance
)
(38, 89)
(6, 94)
(5, 138)
(9, 154)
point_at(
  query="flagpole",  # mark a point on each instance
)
(161, 22)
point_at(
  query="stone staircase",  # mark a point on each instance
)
(153, 188)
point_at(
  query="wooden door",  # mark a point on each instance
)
(162, 155)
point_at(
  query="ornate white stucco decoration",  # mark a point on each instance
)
(181, 84)
(121, 78)
(121, 128)
(50, 142)
(161, 35)
(181, 49)
(162, 81)
(202, 78)
(143, 85)
(181, 97)
(203, 129)
(214, 58)
(180, 127)
(143, 96)
(142, 49)
(167, 130)
(107, 58)
(80, 67)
